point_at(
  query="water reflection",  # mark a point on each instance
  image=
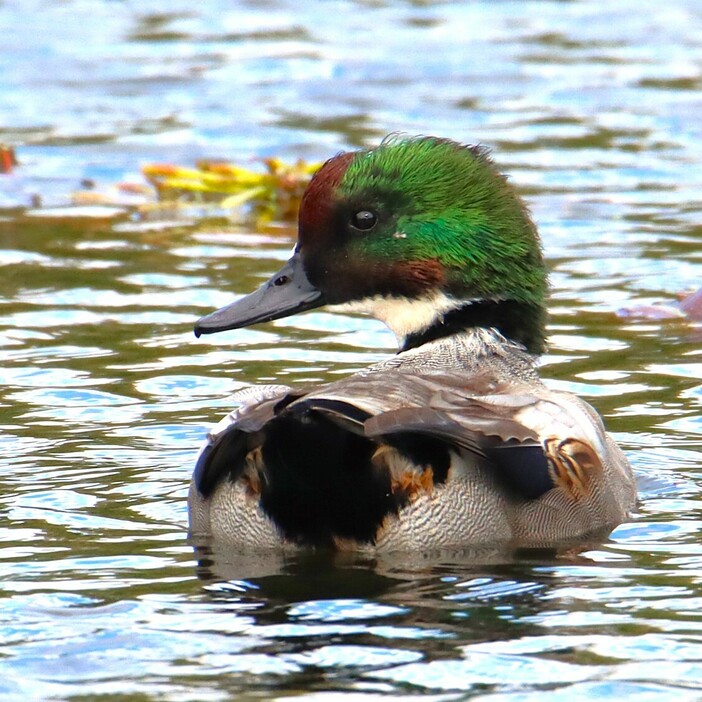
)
(105, 395)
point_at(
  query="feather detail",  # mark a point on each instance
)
(573, 465)
(407, 480)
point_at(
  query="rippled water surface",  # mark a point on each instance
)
(594, 110)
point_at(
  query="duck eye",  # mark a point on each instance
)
(364, 220)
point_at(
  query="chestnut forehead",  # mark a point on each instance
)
(318, 201)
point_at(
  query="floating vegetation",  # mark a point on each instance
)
(209, 189)
(268, 192)
(273, 195)
(8, 159)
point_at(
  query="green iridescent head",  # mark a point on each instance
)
(416, 218)
(423, 233)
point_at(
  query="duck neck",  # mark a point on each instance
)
(522, 322)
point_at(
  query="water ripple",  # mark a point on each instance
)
(105, 394)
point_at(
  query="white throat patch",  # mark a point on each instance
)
(402, 315)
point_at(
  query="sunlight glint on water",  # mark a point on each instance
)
(105, 394)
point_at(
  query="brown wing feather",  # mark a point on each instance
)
(423, 420)
(479, 415)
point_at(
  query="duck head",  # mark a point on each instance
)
(422, 233)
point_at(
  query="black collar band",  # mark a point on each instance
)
(519, 321)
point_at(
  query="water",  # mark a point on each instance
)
(105, 394)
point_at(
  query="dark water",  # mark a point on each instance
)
(593, 108)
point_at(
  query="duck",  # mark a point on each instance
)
(455, 441)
